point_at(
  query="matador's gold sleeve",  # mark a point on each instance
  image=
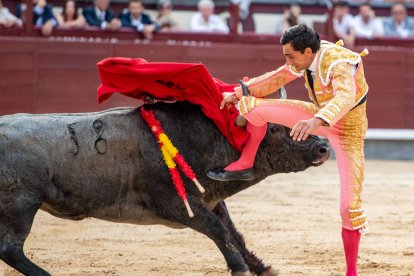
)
(344, 89)
(270, 82)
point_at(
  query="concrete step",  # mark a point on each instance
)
(390, 144)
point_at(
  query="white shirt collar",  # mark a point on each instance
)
(99, 12)
(312, 67)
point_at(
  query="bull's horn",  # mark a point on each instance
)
(282, 93)
(245, 89)
(200, 188)
(190, 212)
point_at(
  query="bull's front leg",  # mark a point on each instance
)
(206, 223)
(255, 264)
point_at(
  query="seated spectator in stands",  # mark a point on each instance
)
(291, 17)
(7, 19)
(399, 25)
(206, 21)
(43, 17)
(101, 15)
(165, 21)
(70, 17)
(135, 18)
(20, 10)
(245, 16)
(342, 23)
(365, 24)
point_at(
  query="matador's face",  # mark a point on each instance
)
(296, 58)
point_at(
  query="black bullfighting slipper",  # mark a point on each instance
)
(224, 175)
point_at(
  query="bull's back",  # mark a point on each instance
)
(75, 141)
(108, 164)
(85, 161)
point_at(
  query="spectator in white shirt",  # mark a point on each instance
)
(365, 24)
(206, 21)
(7, 19)
(342, 23)
(399, 24)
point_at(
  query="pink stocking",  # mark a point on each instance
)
(351, 240)
(247, 157)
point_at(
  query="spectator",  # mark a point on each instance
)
(7, 19)
(20, 10)
(43, 17)
(165, 21)
(136, 18)
(365, 24)
(399, 24)
(245, 16)
(291, 17)
(101, 15)
(70, 17)
(342, 23)
(206, 21)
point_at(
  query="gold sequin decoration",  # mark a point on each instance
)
(270, 82)
(352, 133)
(343, 90)
(331, 54)
(337, 91)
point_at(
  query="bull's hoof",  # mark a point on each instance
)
(247, 273)
(270, 272)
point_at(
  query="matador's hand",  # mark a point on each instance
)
(246, 104)
(228, 98)
(303, 128)
(231, 97)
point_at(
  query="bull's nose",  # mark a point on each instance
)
(321, 153)
(323, 150)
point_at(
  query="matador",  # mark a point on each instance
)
(335, 81)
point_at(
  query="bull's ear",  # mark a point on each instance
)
(282, 93)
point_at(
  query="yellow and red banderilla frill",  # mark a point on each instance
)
(172, 157)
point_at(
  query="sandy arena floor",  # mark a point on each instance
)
(289, 220)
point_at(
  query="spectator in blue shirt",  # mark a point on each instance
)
(399, 24)
(43, 17)
(136, 18)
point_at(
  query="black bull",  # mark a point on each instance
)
(107, 165)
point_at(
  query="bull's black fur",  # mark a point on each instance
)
(108, 165)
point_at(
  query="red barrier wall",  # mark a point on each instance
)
(39, 75)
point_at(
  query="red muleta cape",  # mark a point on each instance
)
(135, 77)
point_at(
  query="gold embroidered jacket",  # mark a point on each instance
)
(337, 84)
